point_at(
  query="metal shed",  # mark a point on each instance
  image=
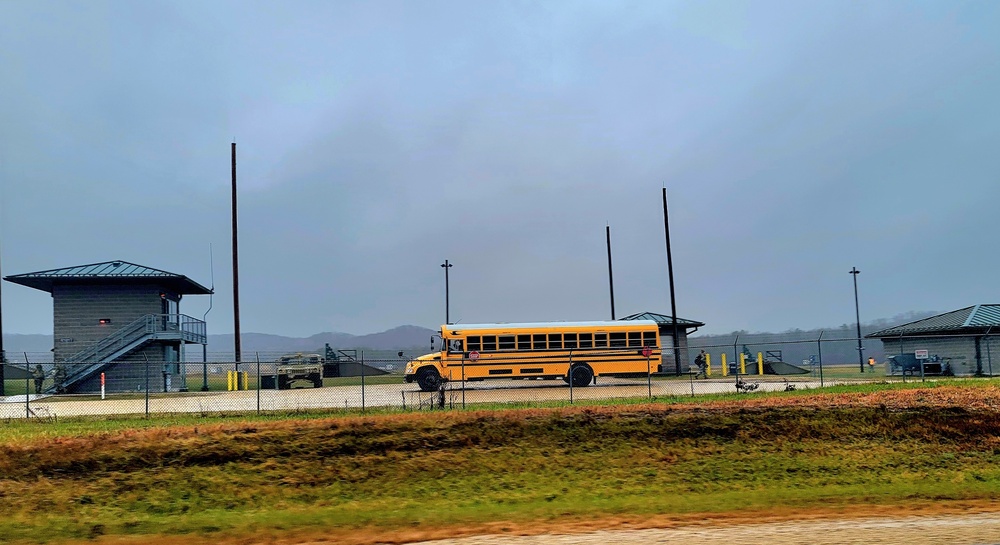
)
(964, 341)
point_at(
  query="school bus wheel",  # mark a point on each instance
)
(581, 375)
(428, 379)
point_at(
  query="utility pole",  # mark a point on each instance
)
(238, 349)
(670, 274)
(611, 275)
(857, 315)
(446, 266)
(3, 355)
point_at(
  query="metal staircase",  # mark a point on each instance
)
(151, 327)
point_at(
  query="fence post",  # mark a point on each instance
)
(463, 380)
(819, 350)
(989, 355)
(257, 355)
(147, 383)
(736, 355)
(362, 381)
(27, 388)
(570, 374)
(649, 378)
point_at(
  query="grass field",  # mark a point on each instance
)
(377, 478)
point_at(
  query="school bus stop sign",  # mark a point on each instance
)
(473, 355)
(646, 351)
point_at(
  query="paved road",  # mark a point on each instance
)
(383, 395)
(979, 529)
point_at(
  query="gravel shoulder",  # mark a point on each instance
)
(952, 529)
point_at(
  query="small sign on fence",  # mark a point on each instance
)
(921, 354)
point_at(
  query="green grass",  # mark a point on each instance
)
(272, 474)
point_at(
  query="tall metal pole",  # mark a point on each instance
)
(611, 275)
(670, 274)
(3, 355)
(857, 315)
(236, 275)
(447, 316)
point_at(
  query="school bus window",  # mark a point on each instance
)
(555, 341)
(455, 346)
(489, 343)
(600, 340)
(474, 343)
(569, 341)
(648, 338)
(617, 339)
(635, 338)
(524, 342)
(538, 341)
(586, 340)
(506, 342)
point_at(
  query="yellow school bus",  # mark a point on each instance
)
(572, 351)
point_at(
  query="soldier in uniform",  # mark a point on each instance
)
(59, 378)
(699, 361)
(39, 375)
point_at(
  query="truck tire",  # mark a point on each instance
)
(317, 380)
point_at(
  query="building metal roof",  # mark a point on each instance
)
(974, 319)
(109, 273)
(662, 319)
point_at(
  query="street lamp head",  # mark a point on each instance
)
(446, 264)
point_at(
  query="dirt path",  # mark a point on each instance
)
(975, 529)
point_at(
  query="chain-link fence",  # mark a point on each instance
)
(52, 390)
(843, 357)
(45, 389)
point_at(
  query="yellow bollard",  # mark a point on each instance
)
(229, 381)
(760, 364)
(708, 365)
(743, 364)
(725, 367)
(246, 381)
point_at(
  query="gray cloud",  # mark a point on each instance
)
(377, 139)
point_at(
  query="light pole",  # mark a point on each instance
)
(857, 315)
(446, 266)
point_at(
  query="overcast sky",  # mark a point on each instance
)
(376, 139)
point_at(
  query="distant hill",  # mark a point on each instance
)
(409, 338)
(397, 338)
(796, 344)
(17, 342)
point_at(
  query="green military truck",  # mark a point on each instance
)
(299, 367)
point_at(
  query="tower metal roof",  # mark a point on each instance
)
(662, 319)
(109, 273)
